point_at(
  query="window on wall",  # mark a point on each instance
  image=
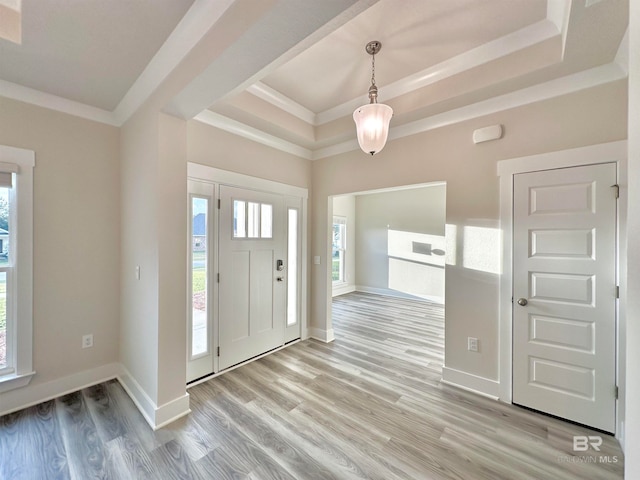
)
(16, 247)
(339, 249)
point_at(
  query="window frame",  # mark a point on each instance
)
(342, 249)
(19, 369)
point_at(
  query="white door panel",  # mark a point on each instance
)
(564, 272)
(252, 290)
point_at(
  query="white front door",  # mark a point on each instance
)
(564, 295)
(252, 283)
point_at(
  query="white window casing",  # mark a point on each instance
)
(16, 172)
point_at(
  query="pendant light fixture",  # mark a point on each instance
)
(372, 120)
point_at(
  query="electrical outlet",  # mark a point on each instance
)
(472, 344)
(87, 341)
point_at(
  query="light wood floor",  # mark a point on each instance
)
(367, 406)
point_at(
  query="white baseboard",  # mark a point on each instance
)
(472, 383)
(395, 293)
(342, 290)
(38, 393)
(156, 416)
(325, 336)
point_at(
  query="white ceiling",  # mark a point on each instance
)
(89, 51)
(101, 59)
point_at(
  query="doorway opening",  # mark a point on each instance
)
(389, 247)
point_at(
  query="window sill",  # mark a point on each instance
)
(12, 381)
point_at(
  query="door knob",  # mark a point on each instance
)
(280, 279)
(522, 302)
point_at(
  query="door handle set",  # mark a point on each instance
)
(522, 302)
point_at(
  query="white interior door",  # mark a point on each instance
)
(564, 305)
(200, 341)
(252, 283)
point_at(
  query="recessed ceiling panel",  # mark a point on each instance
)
(415, 35)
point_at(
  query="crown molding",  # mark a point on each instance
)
(554, 88)
(202, 15)
(54, 102)
(250, 133)
(281, 101)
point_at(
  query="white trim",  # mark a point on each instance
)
(282, 102)
(342, 289)
(387, 292)
(325, 336)
(198, 172)
(594, 154)
(33, 395)
(156, 416)
(471, 383)
(171, 411)
(20, 323)
(59, 104)
(238, 128)
(142, 401)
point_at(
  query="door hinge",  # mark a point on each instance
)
(218, 279)
(218, 352)
(616, 190)
(616, 391)
(617, 291)
(218, 204)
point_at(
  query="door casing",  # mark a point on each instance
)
(207, 174)
(595, 154)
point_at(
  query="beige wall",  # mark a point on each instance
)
(216, 148)
(387, 226)
(448, 154)
(76, 238)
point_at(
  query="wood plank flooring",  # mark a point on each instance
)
(370, 405)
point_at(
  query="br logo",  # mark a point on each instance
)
(582, 443)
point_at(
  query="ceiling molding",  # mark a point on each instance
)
(501, 47)
(54, 102)
(250, 133)
(198, 20)
(556, 24)
(537, 93)
(281, 101)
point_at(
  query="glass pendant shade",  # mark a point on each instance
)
(372, 125)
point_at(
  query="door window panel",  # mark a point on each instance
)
(199, 273)
(292, 263)
(239, 219)
(252, 220)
